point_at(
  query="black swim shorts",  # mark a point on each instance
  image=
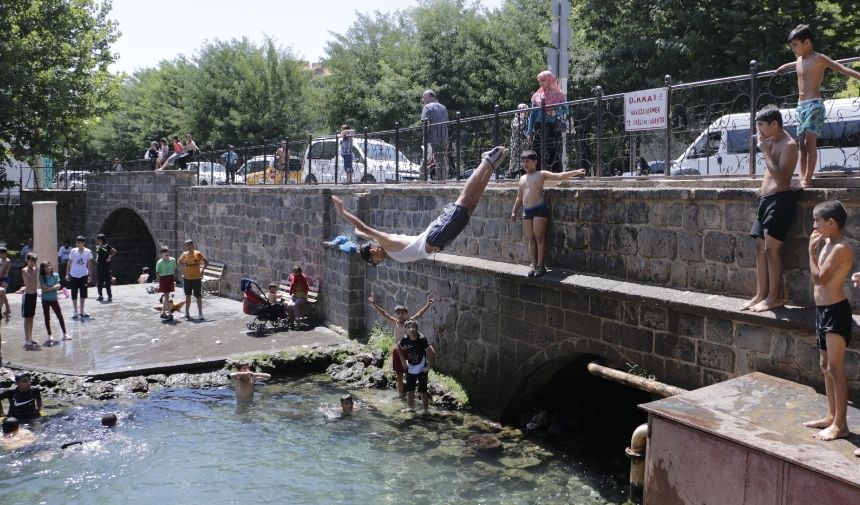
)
(775, 214)
(193, 286)
(416, 379)
(28, 308)
(447, 226)
(834, 318)
(540, 210)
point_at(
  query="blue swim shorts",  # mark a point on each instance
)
(810, 116)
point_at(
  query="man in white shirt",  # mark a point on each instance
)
(78, 274)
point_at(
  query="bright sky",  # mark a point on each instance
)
(155, 32)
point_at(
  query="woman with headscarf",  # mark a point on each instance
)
(518, 139)
(547, 123)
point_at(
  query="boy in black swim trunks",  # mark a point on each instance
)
(830, 268)
(440, 233)
(535, 209)
(28, 307)
(776, 209)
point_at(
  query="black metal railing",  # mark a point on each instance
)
(711, 127)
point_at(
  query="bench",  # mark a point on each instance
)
(212, 278)
(308, 310)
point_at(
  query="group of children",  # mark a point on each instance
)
(297, 292)
(192, 262)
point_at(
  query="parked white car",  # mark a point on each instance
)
(70, 179)
(380, 162)
(210, 172)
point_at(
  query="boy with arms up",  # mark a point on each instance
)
(243, 381)
(401, 315)
(535, 209)
(776, 209)
(810, 67)
(830, 268)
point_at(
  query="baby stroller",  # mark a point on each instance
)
(255, 303)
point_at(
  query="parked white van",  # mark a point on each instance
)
(723, 148)
(380, 161)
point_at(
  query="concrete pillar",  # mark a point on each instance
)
(45, 232)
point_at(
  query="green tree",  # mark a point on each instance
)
(54, 57)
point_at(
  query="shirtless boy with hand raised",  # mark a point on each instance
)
(776, 209)
(829, 269)
(535, 210)
(243, 382)
(810, 67)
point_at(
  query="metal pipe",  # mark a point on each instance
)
(636, 453)
(647, 385)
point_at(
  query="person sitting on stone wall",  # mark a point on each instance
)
(441, 232)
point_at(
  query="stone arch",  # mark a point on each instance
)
(536, 379)
(133, 240)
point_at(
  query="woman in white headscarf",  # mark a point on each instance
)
(518, 139)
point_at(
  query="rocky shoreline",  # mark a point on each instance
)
(355, 365)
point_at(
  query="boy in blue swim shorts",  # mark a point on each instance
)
(535, 210)
(441, 232)
(810, 67)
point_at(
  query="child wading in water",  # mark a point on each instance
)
(810, 67)
(50, 282)
(535, 209)
(830, 268)
(398, 320)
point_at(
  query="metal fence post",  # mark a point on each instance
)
(425, 124)
(541, 164)
(495, 125)
(286, 176)
(245, 164)
(598, 111)
(457, 138)
(667, 168)
(397, 151)
(310, 154)
(363, 179)
(753, 101)
(265, 164)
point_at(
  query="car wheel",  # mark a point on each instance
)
(311, 179)
(368, 178)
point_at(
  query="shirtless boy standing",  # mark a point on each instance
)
(5, 266)
(243, 382)
(810, 67)
(776, 209)
(535, 209)
(833, 319)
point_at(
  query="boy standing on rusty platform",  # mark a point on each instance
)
(535, 210)
(810, 67)
(776, 209)
(833, 319)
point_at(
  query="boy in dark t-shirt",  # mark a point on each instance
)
(25, 402)
(419, 356)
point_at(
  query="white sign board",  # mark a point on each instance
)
(645, 110)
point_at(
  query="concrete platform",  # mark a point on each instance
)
(119, 337)
(742, 441)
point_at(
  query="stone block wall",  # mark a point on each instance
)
(499, 333)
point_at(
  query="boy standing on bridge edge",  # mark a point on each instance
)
(833, 318)
(776, 209)
(810, 68)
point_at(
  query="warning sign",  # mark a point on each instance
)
(645, 110)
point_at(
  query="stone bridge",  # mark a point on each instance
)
(644, 273)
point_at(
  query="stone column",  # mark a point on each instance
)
(45, 232)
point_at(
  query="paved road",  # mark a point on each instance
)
(126, 337)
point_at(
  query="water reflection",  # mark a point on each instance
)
(192, 446)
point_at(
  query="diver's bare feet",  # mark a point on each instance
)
(752, 303)
(831, 433)
(819, 423)
(767, 304)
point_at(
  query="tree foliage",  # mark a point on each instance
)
(54, 78)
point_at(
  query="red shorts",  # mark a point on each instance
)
(166, 284)
(396, 364)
